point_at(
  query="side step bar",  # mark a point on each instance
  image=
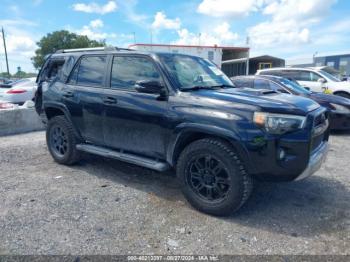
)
(129, 158)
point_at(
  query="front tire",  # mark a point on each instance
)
(213, 178)
(61, 141)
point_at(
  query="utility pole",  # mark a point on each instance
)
(7, 62)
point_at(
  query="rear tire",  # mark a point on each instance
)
(213, 178)
(61, 141)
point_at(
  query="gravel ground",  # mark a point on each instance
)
(103, 206)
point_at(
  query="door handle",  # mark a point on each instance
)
(68, 94)
(109, 100)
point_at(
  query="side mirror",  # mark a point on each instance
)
(322, 80)
(149, 87)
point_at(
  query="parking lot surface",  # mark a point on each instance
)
(103, 206)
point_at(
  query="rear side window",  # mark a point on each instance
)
(271, 73)
(126, 71)
(90, 71)
(261, 84)
(241, 83)
(300, 75)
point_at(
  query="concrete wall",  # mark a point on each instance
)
(21, 120)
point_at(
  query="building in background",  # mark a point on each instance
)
(216, 54)
(234, 67)
(339, 62)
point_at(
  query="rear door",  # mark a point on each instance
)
(84, 94)
(135, 121)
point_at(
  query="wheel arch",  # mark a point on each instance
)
(188, 133)
(52, 109)
(340, 92)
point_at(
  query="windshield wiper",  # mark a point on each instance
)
(195, 88)
(224, 86)
(206, 87)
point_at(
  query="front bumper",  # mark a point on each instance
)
(302, 151)
(316, 159)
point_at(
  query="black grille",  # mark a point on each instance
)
(320, 119)
(319, 122)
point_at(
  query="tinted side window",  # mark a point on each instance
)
(271, 73)
(241, 83)
(261, 84)
(277, 88)
(314, 76)
(90, 71)
(73, 77)
(302, 76)
(126, 71)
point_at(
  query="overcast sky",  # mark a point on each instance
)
(285, 28)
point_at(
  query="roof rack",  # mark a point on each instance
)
(104, 49)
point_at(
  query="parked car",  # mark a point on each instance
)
(166, 110)
(4, 80)
(315, 79)
(339, 107)
(19, 91)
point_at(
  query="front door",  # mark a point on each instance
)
(309, 79)
(134, 121)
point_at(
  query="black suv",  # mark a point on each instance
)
(166, 110)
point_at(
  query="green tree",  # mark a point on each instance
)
(61, 40)
(5, 75)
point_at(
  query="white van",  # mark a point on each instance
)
(312, 78)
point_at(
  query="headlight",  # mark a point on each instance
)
(340, 109)
(278, 123)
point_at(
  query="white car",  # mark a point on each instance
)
(312, 78)
(19, 91)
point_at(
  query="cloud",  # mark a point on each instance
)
(93, 7)
(162, 22)
(278, 33)
(20, 44)
(219, 35)
(133, 16)
(92, 31)
(37, 2)
(290, 24)
(98, 23)
(229, 8)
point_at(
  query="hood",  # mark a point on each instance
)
(267, 100)
(324, 99)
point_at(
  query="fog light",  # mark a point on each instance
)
(281, 154)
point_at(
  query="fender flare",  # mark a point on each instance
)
(66, 113)
(185, 128)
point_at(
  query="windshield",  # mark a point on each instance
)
(329, 76)
(294, 86)
(189, 72)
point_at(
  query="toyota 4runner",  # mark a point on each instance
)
(166, 110)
